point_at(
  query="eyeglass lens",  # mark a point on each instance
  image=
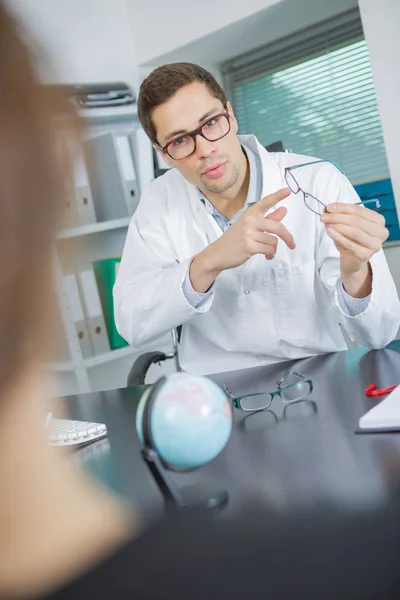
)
(292, 183)
(258, 402)
(213, 130)
(314, 204)
(296, 391)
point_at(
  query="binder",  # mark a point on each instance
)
(83, 194)
(70, 212)
(69, 216)
(142, 150)
(75, 304)
(93, 310)
(106, 273)
(128, 172)
(60, 343)
(112, 176)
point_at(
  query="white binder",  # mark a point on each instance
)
(143, 156)
(83, 193)
(70, 211)
(75, 304)
(128, 172)
(60, 349)
(112, 176)
(93, 310)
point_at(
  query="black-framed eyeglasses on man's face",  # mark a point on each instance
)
(217, 127)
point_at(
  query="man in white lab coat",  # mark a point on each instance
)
(257, 262)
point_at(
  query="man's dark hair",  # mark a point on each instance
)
(164, 82)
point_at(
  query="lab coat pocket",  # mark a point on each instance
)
(297, 321)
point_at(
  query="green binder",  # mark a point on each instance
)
(105, 272)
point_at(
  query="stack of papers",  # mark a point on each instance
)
(385, 416)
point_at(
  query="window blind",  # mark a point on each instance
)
(314, 91)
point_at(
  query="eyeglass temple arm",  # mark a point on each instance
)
(314, 162)
(372, 201)
(228, 392)
(295, 374)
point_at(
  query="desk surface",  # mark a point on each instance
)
(309, 455)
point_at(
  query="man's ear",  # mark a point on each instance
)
(167, 159)
(234, 123)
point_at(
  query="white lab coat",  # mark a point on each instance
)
(262, 312)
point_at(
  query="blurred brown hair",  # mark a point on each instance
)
(164, 82)
(32, 188)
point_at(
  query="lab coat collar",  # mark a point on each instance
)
(272, 176)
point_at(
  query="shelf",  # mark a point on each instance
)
(108, 112)
(60, 367)
(94, 361)
(93, 228)
(101, 359)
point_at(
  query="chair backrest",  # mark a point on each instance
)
(275, 147)
(179, 332)
(138, 371)
(160, 172)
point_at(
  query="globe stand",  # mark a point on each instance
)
(205, 496)
(195, 496)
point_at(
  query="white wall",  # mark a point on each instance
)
(160, 26)
(381, 22)
(86, 40)
(212, 32)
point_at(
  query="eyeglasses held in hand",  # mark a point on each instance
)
(291, 387)
(313, 203)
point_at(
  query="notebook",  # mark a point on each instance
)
(385, 416)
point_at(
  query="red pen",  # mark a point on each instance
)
(372, 391)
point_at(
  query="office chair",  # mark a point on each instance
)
(159, 172)
(137, 374)
(275, 147)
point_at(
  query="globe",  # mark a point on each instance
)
(191, 420)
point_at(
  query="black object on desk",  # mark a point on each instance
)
(199, 496)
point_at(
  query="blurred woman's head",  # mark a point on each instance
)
(54, 522)
(31, 193)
